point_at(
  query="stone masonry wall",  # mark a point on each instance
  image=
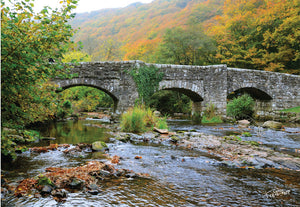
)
(283, 88)
(110, 77)
(203, 84)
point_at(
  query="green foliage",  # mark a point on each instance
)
(11, 141)
(28, 39)
(196, 117)
(86, 99)
(295, 109)
(247, 134)
(133, 120)
(147, 79)
(210, 115)
(161, 123)
(76, 56)
(241, 107)
(64, 110)
(44, 180)
(140, 119)
(259, 35)
(252, 143)
(186, 47)
(213, 120)
(170, 102)
(233, 138)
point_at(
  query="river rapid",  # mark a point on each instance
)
(178, 177)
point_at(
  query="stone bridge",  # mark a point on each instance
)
(203, 84)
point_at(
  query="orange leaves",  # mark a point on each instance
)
(25, 187)
(115, 159)
(51, 147)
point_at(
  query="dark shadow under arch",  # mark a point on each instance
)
(255, 93)
(191, 94)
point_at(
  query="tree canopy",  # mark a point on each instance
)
(259, 34)
(28, 40)
(186, 47)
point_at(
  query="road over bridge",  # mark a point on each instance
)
(203, 84)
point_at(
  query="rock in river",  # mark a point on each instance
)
(272, 125)
(243, 123)
(99, 146)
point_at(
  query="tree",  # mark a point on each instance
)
(76, 56)
(28, 40)
(108, 50)
(186, 47)
(259, 34)
(86, 98)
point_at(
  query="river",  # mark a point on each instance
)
(178, 177)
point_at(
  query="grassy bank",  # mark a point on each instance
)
(141, 119)
(295, 109)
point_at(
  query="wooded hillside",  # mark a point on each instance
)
(255, 34)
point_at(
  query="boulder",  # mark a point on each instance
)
(161, 131)
(99, 146)
(93, 189)
(46, 189)
(273, 125)
(244, 123)
(61, 193)
(76, 183)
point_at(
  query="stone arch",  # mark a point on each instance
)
(114, 98)
(263, 101)
(255, 93)
(195, 97)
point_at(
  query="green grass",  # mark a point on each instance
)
(213, 120)
(140, 119)
(295, 109)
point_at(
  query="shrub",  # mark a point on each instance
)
(162, 123)
(210, 115)
(140, 119)
(15, 142)
(241, 107)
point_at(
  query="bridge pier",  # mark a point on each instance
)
(196, 107)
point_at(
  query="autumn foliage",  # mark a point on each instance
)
(253, 34)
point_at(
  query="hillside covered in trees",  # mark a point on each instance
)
(254, 34)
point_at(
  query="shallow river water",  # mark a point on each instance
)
(178, 177)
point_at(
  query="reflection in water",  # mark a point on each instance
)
(177, 177)
(74, 132)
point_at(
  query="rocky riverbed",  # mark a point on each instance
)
(64, 175)
(231, 149)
